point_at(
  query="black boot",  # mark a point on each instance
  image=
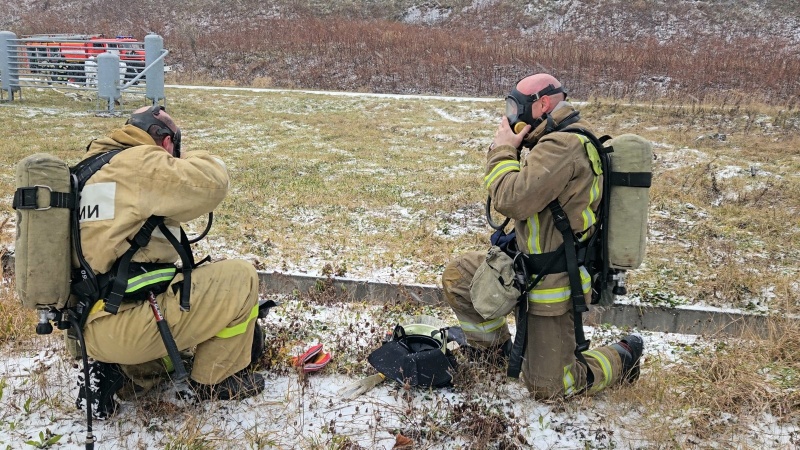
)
(257, 350)
(241, 385)
(630, 350)
(105, 380)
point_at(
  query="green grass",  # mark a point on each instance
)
(392, 185)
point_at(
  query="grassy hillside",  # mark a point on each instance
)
(707, 50)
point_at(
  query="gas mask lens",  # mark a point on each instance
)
(513, 114)
(512, 110)
(176, 142)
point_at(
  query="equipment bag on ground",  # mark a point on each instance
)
(415, 355)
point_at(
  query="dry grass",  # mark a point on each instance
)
(16, 323)
(355, 186)
(715, 390)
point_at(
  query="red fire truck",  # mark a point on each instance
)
(64, 57)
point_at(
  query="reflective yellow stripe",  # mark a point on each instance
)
(559, 294)
(484, 327)
(605, 364)
(592, 153)
(238, 329)
(499, 169)
(167, 364)
(534, 243)
(544, 296)
(569, 381)
(150, 278)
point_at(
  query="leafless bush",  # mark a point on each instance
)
(304, 48)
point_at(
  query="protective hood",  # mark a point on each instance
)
(563, 113)
(125, 137)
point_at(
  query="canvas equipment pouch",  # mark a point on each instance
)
(493, 289)
(415, 359)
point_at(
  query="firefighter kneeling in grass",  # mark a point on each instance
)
(562, 165)
(214, 313)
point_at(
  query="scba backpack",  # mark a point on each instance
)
(52, 276)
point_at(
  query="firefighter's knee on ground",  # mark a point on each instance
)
(543, 390)
(450, 277)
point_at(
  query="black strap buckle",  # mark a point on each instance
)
(26, 198)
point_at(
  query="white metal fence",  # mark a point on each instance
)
(105, 66)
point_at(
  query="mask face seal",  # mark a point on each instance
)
(148, 119)
(519, 107)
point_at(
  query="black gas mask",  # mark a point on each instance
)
(519, 107)
(148, 119)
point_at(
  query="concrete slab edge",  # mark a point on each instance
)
(716, 323)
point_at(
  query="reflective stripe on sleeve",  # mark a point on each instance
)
(240, 328)
(500, 169)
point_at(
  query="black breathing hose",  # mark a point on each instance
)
(86, 381)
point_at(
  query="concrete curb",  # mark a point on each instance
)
(710, 322)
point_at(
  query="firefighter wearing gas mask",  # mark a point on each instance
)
(558, 166)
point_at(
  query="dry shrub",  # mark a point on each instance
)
(712, 390)
(16, 322)
(334, 48)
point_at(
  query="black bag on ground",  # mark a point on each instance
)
(415, 359)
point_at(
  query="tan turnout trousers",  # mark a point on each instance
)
(220, 322)
(550, 368)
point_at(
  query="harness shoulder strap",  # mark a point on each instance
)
(84, 282)
(576, 292)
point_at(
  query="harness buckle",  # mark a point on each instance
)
(26, 198)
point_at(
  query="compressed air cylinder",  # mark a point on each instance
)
(42, 257)
(628, 202)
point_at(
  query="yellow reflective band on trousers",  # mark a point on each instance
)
(569, 381)
(150, 278)
(605, 364)
(167, 364)
(484, 327)
(500, 169)
(240, 328)
(561, 294)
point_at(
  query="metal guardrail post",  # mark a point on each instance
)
(108, 78)
(9, 78)
(153, 49)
